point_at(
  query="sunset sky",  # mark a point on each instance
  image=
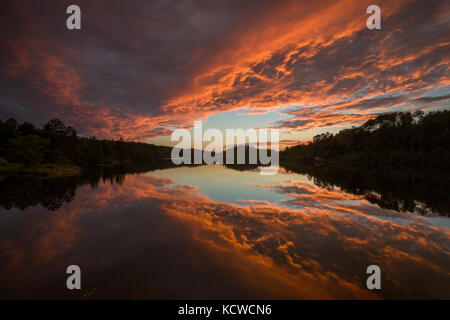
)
(139, 69)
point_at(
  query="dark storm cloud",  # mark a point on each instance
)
(139, 66)
(129, 56)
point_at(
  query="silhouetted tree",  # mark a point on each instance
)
(394, 139)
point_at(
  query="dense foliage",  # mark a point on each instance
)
(57, 143)
(409, 139)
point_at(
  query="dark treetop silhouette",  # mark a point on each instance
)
(408, 139)
(58, 144)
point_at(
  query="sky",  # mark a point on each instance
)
(139, 69)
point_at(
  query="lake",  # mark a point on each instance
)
(212, 232)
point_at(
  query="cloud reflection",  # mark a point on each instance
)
(151, 237)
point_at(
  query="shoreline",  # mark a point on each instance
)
(45, 170)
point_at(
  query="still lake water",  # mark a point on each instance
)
(213, 232)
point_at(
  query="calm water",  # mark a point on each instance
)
(213, 232)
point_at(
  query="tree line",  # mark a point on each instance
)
(56, 143)
(408, 139)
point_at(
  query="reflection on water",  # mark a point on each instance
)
(422, 191)
(212, 232)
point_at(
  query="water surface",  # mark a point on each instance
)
(213, 232)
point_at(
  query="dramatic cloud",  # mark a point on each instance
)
(139, 68)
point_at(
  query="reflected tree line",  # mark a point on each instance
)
(22, 192)
(398, 161)
(423, 192)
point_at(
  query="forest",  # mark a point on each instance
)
(399, 139)
(56, 145)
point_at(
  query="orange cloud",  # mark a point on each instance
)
(144, 75)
